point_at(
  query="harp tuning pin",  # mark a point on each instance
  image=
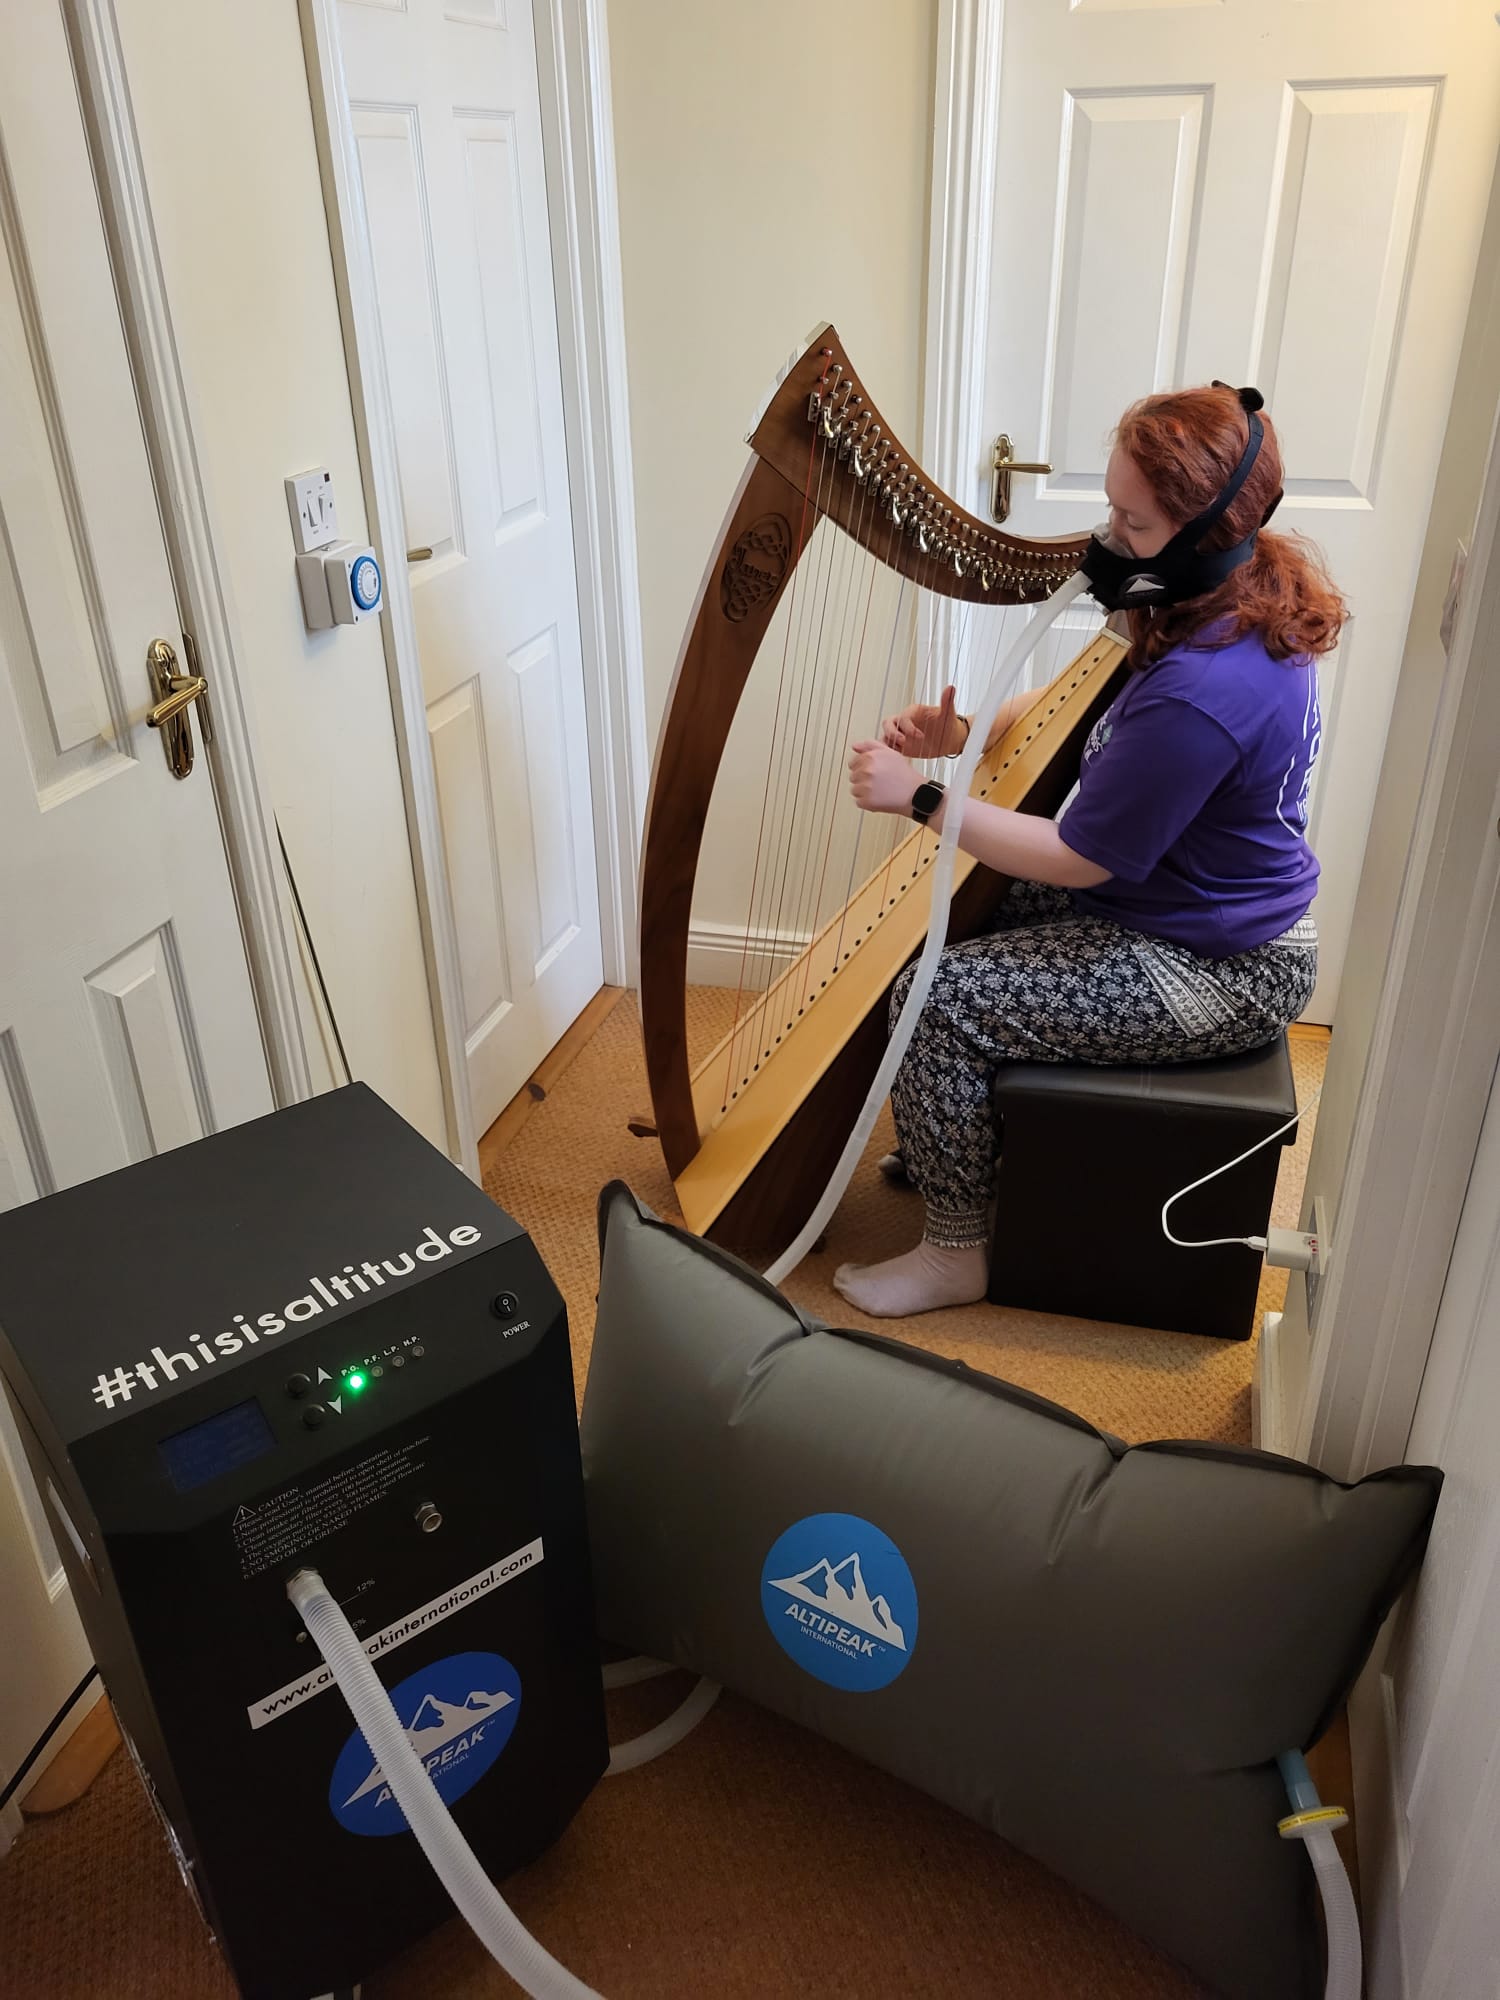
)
(864, 444)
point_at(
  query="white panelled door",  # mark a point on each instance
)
(446, 111)
(127, 1020)
(1282, 192)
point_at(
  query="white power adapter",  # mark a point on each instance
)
(1294, 1249)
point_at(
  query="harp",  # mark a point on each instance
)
(751, 1134)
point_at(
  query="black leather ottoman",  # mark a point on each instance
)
(1087, 1157)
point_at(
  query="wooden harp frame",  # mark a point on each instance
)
(748, 1171)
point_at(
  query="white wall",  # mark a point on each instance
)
(221, 101)
(1455, 501)
(774, 168)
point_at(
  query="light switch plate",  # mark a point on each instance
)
(314, 514)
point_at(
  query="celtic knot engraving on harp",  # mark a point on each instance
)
(859, 585)
(757, 563)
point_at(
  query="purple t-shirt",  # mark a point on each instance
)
(1193, 794)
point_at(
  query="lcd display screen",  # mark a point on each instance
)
(234, 1437)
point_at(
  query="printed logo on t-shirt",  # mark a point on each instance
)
(840, 1601)
(1294, 802)
(1099, 735)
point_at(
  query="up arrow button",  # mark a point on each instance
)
(324, 1376)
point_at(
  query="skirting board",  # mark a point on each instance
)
(1268, 1426)
(718, 955)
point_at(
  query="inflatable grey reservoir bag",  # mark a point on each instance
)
(1096, 1650)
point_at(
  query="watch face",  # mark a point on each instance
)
(926, 798)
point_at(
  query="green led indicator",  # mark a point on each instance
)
(354, 1381)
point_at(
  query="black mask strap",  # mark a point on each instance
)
(1251, 401)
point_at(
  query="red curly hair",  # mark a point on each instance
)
(1186, 444)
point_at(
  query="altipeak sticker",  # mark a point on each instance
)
(840, 1601)
(459, 1714)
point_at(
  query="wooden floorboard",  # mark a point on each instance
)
(77, 1764)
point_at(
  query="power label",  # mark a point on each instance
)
(292, 1520)
(400, 1630)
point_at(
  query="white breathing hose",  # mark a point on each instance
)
(1340, 1918)
(454, 1862)
(666, 1735)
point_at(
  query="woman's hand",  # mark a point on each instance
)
(881, 779)
(925, 731)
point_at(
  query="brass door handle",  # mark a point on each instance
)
(419, 555)
(1002, 466)
(186, 689)
(170, 712)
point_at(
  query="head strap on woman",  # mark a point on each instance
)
(1181, 570)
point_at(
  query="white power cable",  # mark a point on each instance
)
(1213, 1242)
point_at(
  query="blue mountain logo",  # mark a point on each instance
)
(435, 1725)
(463, 1711)
(839, 1589)
(824, 1614)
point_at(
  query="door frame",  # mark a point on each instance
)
(191, 534)
(1431, 1061)
(578, 143)
(965, 137)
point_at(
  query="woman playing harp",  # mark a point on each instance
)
(1165, 916)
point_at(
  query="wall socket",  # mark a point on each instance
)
(1317, 1270)
(314, 515)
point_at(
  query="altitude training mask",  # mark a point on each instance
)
(1181, 570)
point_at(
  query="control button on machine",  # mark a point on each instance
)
(313, 1415)
(417, 1350)
(298, 1385)
(505, 1305)
(398, 1360)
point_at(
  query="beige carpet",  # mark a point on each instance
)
(754, 1862)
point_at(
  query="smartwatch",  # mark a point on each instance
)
(926, 799)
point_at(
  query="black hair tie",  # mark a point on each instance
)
(1251, 400)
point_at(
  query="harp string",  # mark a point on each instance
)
(829, 675)
(791, 752)
(880, 713)
(802, 531)
(831, 785)
(830, 672)
(787, 753)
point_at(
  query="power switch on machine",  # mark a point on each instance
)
(313, 1380)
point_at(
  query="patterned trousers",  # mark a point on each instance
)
(1051, 984)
